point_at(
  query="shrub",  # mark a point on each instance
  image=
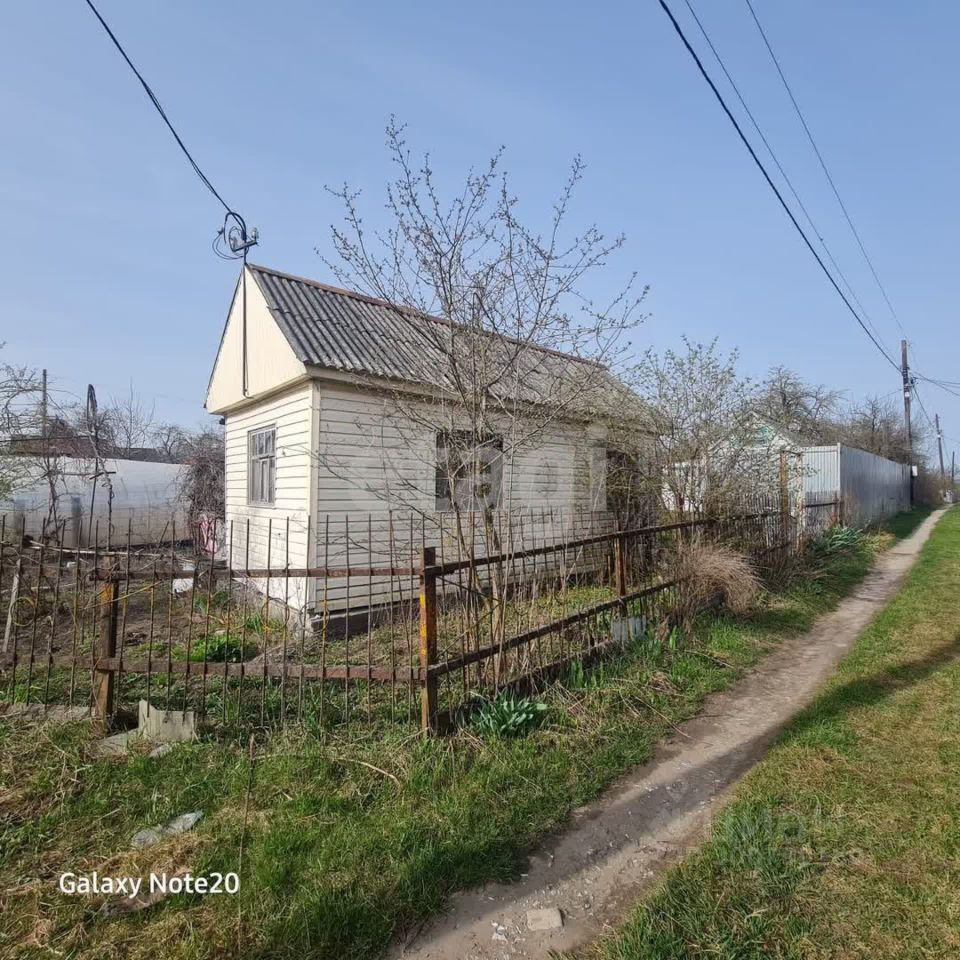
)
(710, 572)
(510, 716)
(839, 539)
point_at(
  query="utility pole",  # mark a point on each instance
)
(905, 373)
(936, 423)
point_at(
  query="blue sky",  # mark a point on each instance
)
(105, 242)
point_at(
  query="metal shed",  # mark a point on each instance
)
(870, 487)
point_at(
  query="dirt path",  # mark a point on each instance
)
(616, 846)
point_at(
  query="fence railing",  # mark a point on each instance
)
(420, 639)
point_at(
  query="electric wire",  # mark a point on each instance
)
(949, 385)
(823, 164)
(153, 99)
(783, 173)
(916, 395)
(772, 185)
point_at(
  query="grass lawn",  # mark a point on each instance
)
(348, 838)
(845, 841)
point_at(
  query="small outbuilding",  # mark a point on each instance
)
(338, 409)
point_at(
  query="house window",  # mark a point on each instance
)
(468, 471)
(262, 460)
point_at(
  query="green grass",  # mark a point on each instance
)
(349, 838)
(845, 841)
(903, 524)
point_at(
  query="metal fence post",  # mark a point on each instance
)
(428, 640)
(620, 570)
(103, 679)
(784, 488)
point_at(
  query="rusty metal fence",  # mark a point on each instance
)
(418, 635)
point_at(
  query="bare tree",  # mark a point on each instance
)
(20, 415)
(876, 425)
(511, 344)
(202, 481)
(171, 440)
(129, 421)
(704, 450)
(808, 410)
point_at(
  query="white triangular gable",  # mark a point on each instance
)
(271, 363)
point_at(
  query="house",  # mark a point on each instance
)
(776, 462)
(348, 443)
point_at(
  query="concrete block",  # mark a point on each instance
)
(626, 629)
(165, 726)
(115, 746)
(152, 835)
(547, 918)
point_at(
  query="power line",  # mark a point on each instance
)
(823, 164)
(922, 407)
(783, 173)
(944, 385)
(153, 99)
(772, 185)
(951, 387)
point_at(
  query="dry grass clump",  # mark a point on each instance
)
(711, 573)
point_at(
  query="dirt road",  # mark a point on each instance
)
(616, 846)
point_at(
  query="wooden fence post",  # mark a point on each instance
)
(428, 640)
(103, 680)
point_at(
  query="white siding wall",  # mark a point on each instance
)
(372, 463)
(258, 532)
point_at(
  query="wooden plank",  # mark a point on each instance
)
(14, 591)
(103, 678)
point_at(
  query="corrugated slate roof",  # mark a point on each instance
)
(341, 330)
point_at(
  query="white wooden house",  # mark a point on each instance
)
(320, 457)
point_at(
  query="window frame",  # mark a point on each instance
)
(255, 462)
(489, 452)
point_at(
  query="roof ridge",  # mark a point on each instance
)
(343, 291)
(413, 312)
